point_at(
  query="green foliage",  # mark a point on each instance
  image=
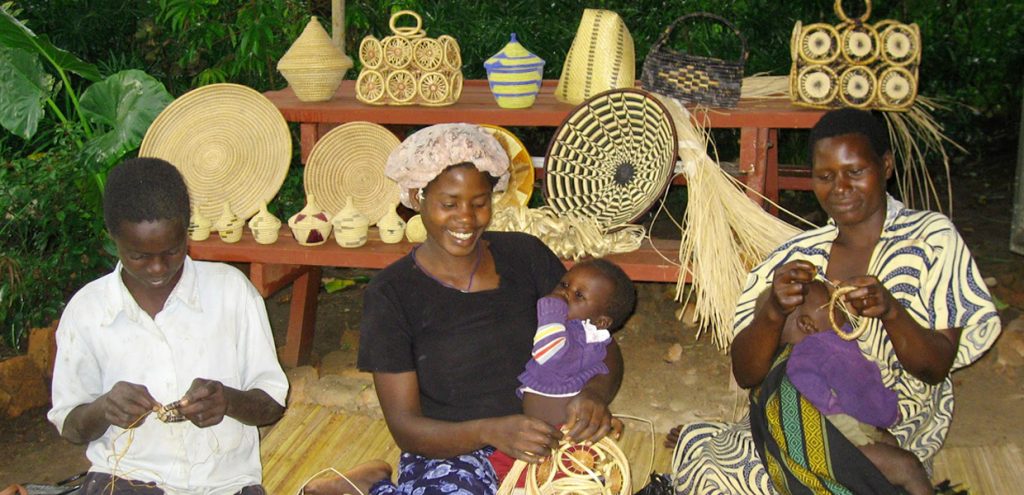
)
(24, 89)
(50, 244)
(120, 108)
(211, 41)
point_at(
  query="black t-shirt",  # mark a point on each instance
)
(466, 348)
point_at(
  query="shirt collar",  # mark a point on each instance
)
(121, 301)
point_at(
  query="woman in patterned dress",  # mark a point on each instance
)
(928, 312)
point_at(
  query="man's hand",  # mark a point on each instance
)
(127, 404)
(205, 404)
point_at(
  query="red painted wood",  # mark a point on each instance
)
(301, 319)
(648, 264)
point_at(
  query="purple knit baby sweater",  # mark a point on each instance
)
(836, 378)
(562, 360)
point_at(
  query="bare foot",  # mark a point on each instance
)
(360, 479)
(672, 437)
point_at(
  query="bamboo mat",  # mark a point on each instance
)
(985, 470)
(310, 438)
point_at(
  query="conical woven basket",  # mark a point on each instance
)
(313, 66)
(611, 159)
(230, 143)
(348, 162)
(601, 58)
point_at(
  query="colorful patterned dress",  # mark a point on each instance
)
(926, 266)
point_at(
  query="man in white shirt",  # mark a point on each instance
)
(163, 328)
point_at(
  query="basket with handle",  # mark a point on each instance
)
(854, 63)
(409, 68)
(693, 78)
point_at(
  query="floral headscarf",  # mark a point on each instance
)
(428, 152)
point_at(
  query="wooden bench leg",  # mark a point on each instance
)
(302, 318)
(754, 161)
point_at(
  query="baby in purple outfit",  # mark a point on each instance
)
(835, 377)
(574, 327)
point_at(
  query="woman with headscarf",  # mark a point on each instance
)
(447, 329)
(927, 311)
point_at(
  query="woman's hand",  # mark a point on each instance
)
(587, 418)
(788, 285)
(520, 436)
(870, 298)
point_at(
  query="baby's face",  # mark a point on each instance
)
(587, 292)
(811, 316)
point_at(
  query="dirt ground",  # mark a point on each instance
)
(990, 394)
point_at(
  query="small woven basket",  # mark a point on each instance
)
(855, 64)
(313, 66)
(692, 78)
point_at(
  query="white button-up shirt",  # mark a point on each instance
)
(214, 326)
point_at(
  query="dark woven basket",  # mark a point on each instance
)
(692, 78)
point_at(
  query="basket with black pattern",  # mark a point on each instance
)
(611, 159)
(693, 78)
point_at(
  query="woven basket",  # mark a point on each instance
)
(265, 226)
(611, 159)
(350, 226)
(198, 225)
(391, 227)
(311, 226)
(855, 64)
(520, 167)
(601, 58)
(692, 78)
(230, 143)
(408, 68)
(574, 468)
(348, 162)
(313, 66)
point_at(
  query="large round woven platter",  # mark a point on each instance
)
(230, 143)
(520, 168)
(611, 159)
(349, 161)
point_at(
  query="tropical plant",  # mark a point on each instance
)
(112, 113)
(50, 185)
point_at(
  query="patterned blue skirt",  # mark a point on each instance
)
(467, 474)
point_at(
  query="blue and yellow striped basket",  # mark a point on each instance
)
(514, 75)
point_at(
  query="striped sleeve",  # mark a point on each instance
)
(957, 293)
(549, 342)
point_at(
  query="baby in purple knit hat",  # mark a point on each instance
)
(574, 325)
(835, 377)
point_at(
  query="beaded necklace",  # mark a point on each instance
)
(469, 286)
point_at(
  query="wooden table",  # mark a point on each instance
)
(285, 262)
(758, 121)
